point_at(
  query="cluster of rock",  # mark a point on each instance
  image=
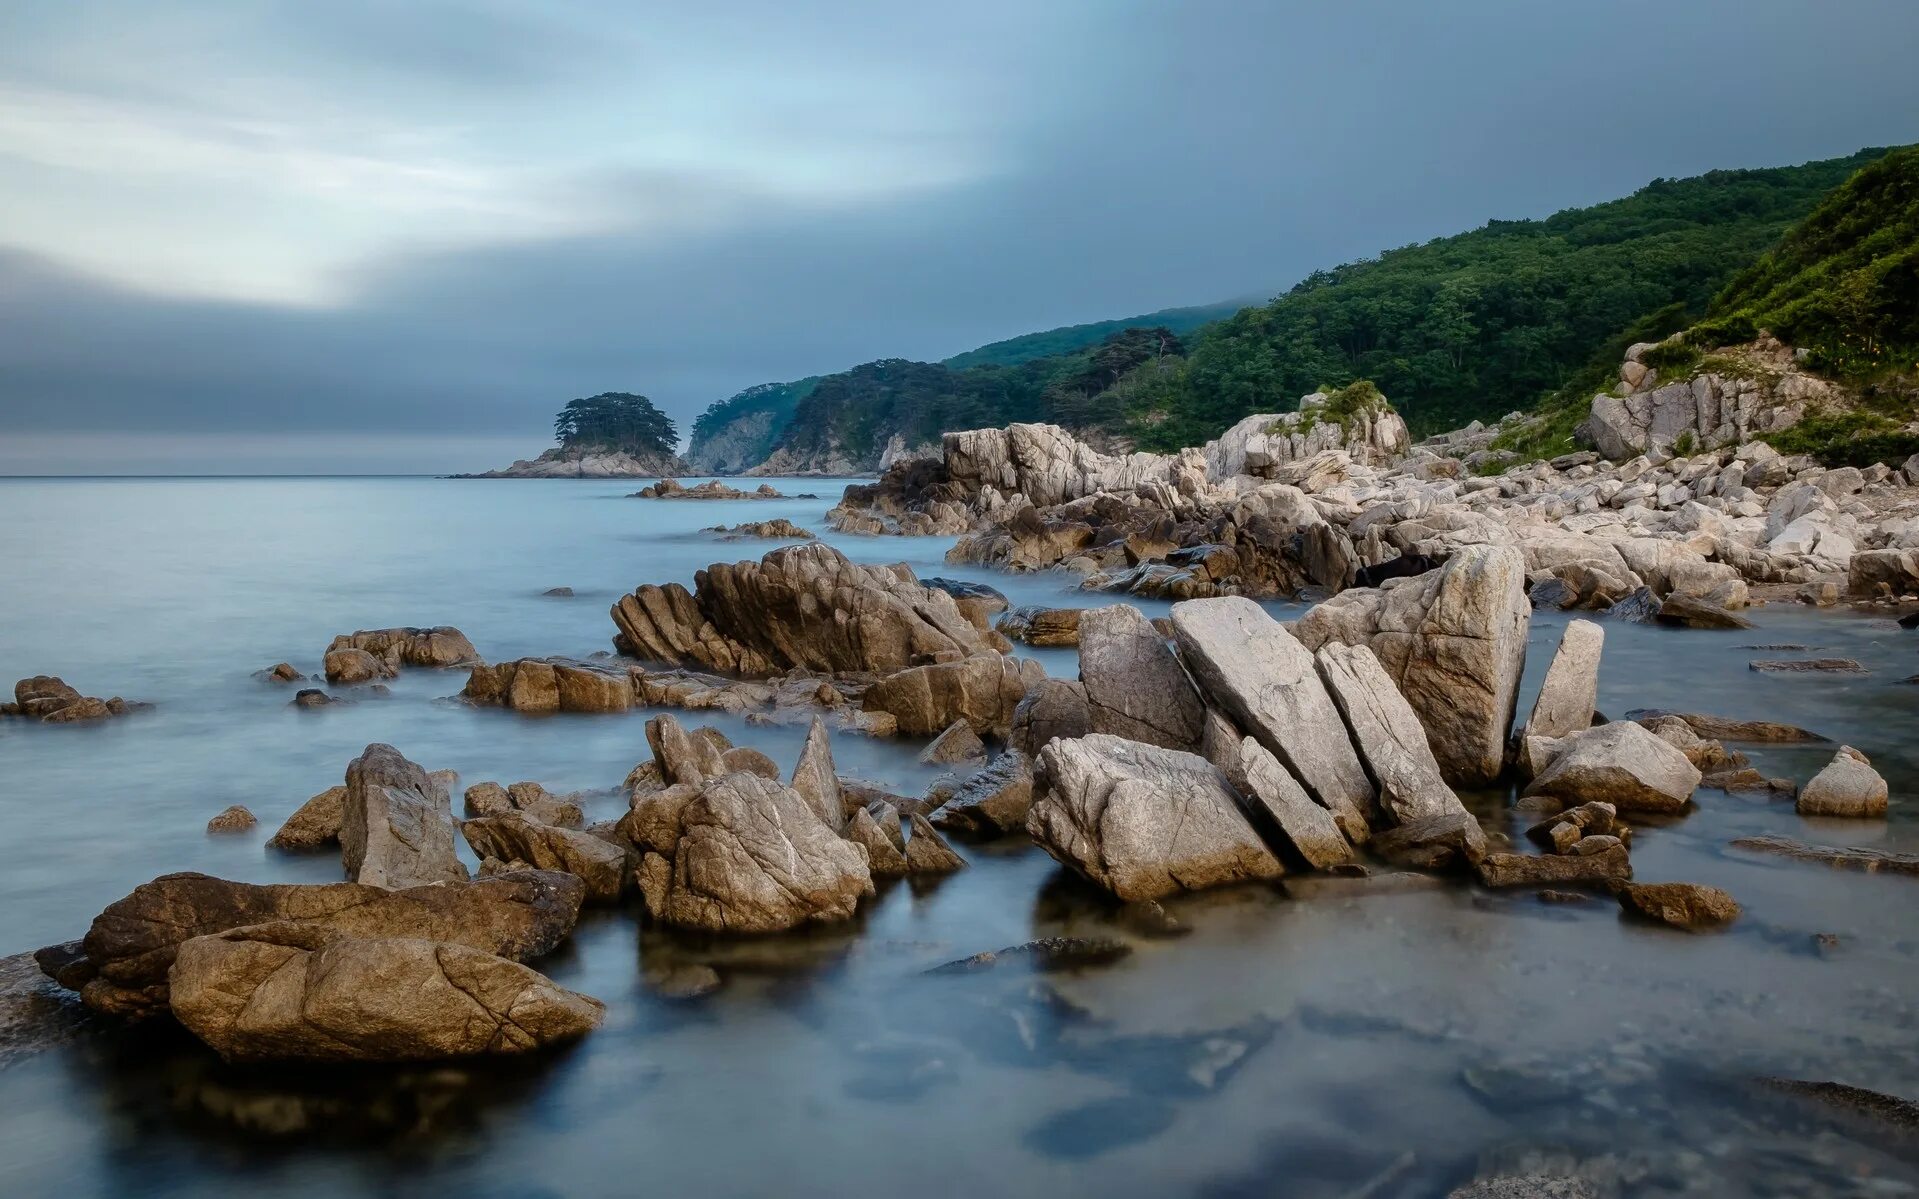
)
(372, 654)
(562, 463)
(50, 700)
(712, 489)
(779, 529)
(1736, 394)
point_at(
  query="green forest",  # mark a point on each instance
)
(1505, 317)
(615, 420)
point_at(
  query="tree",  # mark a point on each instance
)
(616, 420)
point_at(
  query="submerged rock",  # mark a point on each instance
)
(1690, 906)
(1143, 821)
(1047, 954)
(1721, 728)
(1869, 861)
(289, 991)
(1522, 869)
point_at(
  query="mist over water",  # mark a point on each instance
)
(1295, 1046)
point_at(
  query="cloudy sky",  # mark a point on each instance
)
(293, 236)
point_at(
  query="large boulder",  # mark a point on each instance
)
(1135, 686)
(1691, 906)
(297, 992)
(131, 944)
(396, 823)
(543, 685)
(1387, 733)
(801, 607)
(1254, 671)
(1143, 821)
(983, 690)
(1052, 708)
(753, 857)
(994, 801)
(1623, 764)
(315, 825)
(348, 665)
(1310, 829)
(515, 837)
(1874, 573)
(1848, 786)
(1454, 641)
(440, 647)
(1566, 698)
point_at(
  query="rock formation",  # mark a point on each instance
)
(396, 823)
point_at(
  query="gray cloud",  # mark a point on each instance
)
(1146, 156)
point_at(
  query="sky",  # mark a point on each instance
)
(277, 236)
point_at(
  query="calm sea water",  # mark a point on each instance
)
(1299, 1047)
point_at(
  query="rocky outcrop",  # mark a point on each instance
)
(562, 463)
(1454, 643)
(299, 992)
(779, 529)
(1050, 708)
(121, 966)
(1621, 764)
(984, 690)
(1848, 786)
(1730, 396)
(396, 823)
(712, 489)
(439, 648)
(539, 686)
(48, 698)
(993, 802)
(516, 837)
(1135, 686)
(802, 607)
(1142, 821)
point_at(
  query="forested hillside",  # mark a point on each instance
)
(1469, 326)
(1073, 338)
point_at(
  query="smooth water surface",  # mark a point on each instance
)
(1384, 1046)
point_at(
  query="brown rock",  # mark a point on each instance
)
(601, 865)
(315, 825)
(1682, 905)
(1052, 708)
(396, 823)
(983, 691)
(994, 801)
(927, 852)
(348, 665)
(1523, 870)
(885, 858)
(233, 819)
(958, 743)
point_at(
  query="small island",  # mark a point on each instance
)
(615, 434)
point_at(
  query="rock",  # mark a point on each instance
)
(1682, 905)
(1848, 786)
(1807, 666)
(992, 803)
(958, 743)
(34, 1014)
(396, 824)
(312, 697)
(347, 666)
(558, 592)
(233, 819)
(1043, 956)
(802, 607)
(514, 836)
(1253, 669)
(885, 858)
(296, 992)
(1454, 642)
(753, 857)
(540, 686)
(487, 799)
(1142, 821)
(983, 691)
(281, 672)
(1531, 1186)
(1868, 861)
(439, 648)
(315, 825)
(1621, 764)
(1525, 870)
(539, 804)
(1720, 728)
(686, 757)
(1389, 737)
(1571, 688)
(780, 529)
(1052, 708)
(927, 852)
(1595, 818)
(1438, 842)
(1310, 829)
(131, 944)
(978, 602)
(1696, 612)
(814, 778)
(1135, 687)
(1883, 572)
(1040, 626)
(49, 699)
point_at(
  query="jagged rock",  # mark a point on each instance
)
(1432, 842)
(803, 607)
(1311, 830)
(131, 944)
(1848, 786)
(958, 743)
(1389, 738)
(396, 823)
(50, 700)
(814, 778)
(296, 992)
(544, 685)
(1253, 669)
(440, 647)
(885, 858)
(1454, 642)
(1135, 687)
(1560, 831)
(315, 825)
(1571, 688)
(1621, 764)
(1690, 906)
(515, 836)
(233, 819)
(1807, 666)
(281, 672)
(994, 801)
(780, 529)
(1142, 821)
(712, 489)
(1040, 626)
(486, 799)
(1883, 572)
(982, 690)
(753, 857)
(491, 799)
(686, 757)
(1052, 708)
(927, 852)
(349, 665)
(1525, 870)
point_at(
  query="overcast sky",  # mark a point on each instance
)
(297, 236)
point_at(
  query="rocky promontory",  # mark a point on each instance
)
(564, 463)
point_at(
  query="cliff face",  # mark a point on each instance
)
(736, 446)
(588, 464)
(1669, 396)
